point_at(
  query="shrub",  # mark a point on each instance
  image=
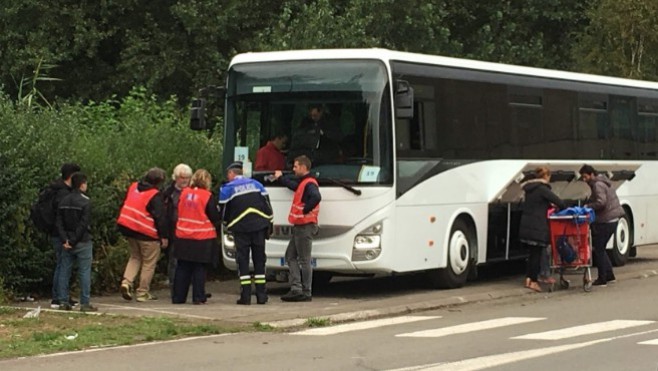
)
(114, 142)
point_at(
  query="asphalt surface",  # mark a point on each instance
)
(354, 299)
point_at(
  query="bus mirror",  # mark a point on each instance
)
(404, 100)
(198, 115)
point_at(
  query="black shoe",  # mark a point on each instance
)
(208, 295)
(599, 282)
(54, 304)
(243, 301)
(297, 298)
(290, 294)
(73, 302)
(611, 278)
(65, 306)
(88, 308)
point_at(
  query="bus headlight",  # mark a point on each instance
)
(368, 243)
(228, 243)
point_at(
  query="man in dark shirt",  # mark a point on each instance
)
(73, 226)
(304, 218)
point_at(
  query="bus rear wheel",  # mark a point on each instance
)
(621, 242)
(460, 246)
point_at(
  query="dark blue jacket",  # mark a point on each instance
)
(534, 222)
(245, 205)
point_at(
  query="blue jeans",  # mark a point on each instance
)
(57, 247)
(83, 253)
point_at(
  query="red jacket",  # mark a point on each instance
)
(133, 214)
(270, 158)
(297, 216)
(193, 223)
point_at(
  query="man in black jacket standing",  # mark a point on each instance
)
(73, 226)
(62, 188)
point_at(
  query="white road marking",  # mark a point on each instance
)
(480, 363)
(363, 325)
(470, 327)
(589, 329)
(649, 342)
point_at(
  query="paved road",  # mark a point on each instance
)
(612, 328)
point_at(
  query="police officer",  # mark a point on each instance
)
(247, 214)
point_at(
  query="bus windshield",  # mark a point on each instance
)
(336, 112)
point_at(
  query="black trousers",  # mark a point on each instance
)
(601, 233)
(534, 261)
(254, 242)
(189, 272)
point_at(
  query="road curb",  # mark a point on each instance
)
(451, 301)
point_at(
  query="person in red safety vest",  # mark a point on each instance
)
(143, 222)
(196, 238)
(304, 218)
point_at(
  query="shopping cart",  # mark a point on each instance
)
(571, 232)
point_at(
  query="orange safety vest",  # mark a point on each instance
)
(193, 223)
(297, 216)
(133, 214)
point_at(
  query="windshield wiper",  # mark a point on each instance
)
(345, 186)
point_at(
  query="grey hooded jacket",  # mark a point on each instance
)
(604, 200)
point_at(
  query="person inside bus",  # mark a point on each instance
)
(316, 138)
(533, 229)
(270, 156)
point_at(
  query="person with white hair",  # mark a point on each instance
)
(180, 180)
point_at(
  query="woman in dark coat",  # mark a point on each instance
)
(533, 230)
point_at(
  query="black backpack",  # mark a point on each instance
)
(43, 212)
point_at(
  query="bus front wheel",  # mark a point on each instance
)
(621, 242)
(460, 246)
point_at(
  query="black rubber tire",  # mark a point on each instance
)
(452, 277)
(622, 242)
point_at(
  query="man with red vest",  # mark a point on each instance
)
(196, 238)
(247, 213)
(143, 221)
(304, 218)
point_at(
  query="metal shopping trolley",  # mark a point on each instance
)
(570, 247)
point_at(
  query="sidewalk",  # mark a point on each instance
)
(348, 300)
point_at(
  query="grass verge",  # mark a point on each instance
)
(55, 332)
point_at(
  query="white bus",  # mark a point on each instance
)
(422, 168)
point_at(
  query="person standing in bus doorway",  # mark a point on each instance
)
(181, 179)
(271, 157)
(247, 213)
(605, 203)
(304, 218)
(196, 238)
(533, 229)
(143, 222)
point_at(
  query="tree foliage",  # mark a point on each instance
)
(621, 39)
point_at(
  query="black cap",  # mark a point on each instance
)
(236, 165)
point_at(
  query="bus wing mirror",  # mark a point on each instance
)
(404, 100)
(198, 115)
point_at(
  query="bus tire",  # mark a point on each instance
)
(622, 242)
(460, 247)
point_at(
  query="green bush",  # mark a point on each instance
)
(114, 142)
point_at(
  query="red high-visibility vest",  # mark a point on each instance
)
(297, 216)
(133, 214)
(193, 223)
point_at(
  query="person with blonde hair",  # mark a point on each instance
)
(143, 221)
(196, 238)
(181, 177)
(533, 229)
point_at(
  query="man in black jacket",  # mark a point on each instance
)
(73, 226)
(62, 188)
